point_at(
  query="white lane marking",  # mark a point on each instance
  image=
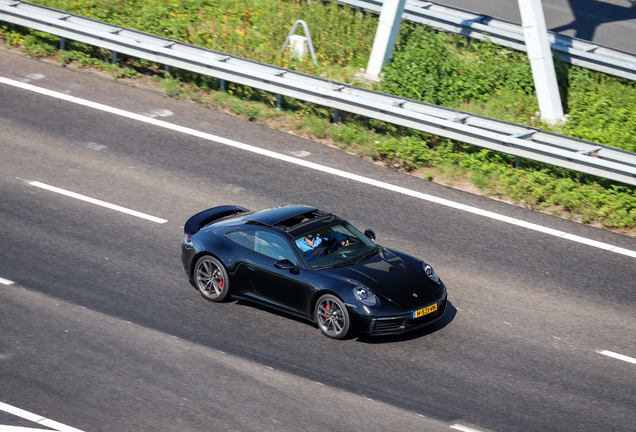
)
(95, 146)
(35, 418)
(4, 428)
(464, 428)
(300, 153)
(5, 281)
(617, 356)
(159, 113)
(96, 202)
(322, 168)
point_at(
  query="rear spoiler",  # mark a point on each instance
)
(196, 222)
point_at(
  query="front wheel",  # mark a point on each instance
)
(332, 317)
(211, 279)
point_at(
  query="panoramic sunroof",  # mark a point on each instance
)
(295, 220)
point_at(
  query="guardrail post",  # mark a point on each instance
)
(335, 116)
(516, 161)
(114, 57)
(222, 85)
(61, 44)
(279, 99)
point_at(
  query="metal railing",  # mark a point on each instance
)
(493, 134)
(571, 50)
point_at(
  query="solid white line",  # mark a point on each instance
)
(618, 356)
(323, 168)
(464, 428)
(96, 202)
(4, 428)
(35, 418)
(5, 281)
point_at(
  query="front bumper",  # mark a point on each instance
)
(397, 324)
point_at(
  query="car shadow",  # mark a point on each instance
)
(447, 318)
(590, 14)
(273, 311)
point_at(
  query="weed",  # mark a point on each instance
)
(171, 86)
(317, 126)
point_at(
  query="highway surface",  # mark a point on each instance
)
(100, 330)
(606, 22)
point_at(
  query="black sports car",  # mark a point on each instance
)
(311, 264)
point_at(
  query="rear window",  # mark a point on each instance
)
(244, 238)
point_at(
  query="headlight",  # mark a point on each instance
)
(430, 272)
(364, 296)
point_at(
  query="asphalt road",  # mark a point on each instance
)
(606, 22)
(101, 331)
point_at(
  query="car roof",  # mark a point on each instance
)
(278, 215)
(287, 218)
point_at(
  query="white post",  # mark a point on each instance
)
(385, 37)
(540, 55)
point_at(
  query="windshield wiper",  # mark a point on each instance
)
(367, 255)
(333, 266)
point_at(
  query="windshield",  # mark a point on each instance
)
(334, 245)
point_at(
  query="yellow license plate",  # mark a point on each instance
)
(425, 311)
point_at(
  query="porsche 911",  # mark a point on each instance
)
(311, 264)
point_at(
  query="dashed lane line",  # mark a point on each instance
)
(96, 202)
(321, 168)
(617, 356)
(5, 281)
(464, 428)
(35, 418)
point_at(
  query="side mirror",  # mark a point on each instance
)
(284, 264)
(369, 233)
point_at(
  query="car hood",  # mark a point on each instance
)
(390, 277)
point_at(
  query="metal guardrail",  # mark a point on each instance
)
(497, 135)
(571, 50)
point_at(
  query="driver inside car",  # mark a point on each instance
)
(314, 245)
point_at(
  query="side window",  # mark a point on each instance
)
(273, 246)
(244, 238)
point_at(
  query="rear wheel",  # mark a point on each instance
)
(332, 317)
(211, 278)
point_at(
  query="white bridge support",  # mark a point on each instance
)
(385, 37)
(540, 55)
(536, 39)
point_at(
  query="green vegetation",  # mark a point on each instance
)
(254, 29)
(484, 78)
(439, 68)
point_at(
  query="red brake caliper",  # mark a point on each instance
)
(326, 316)
(221, 282)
